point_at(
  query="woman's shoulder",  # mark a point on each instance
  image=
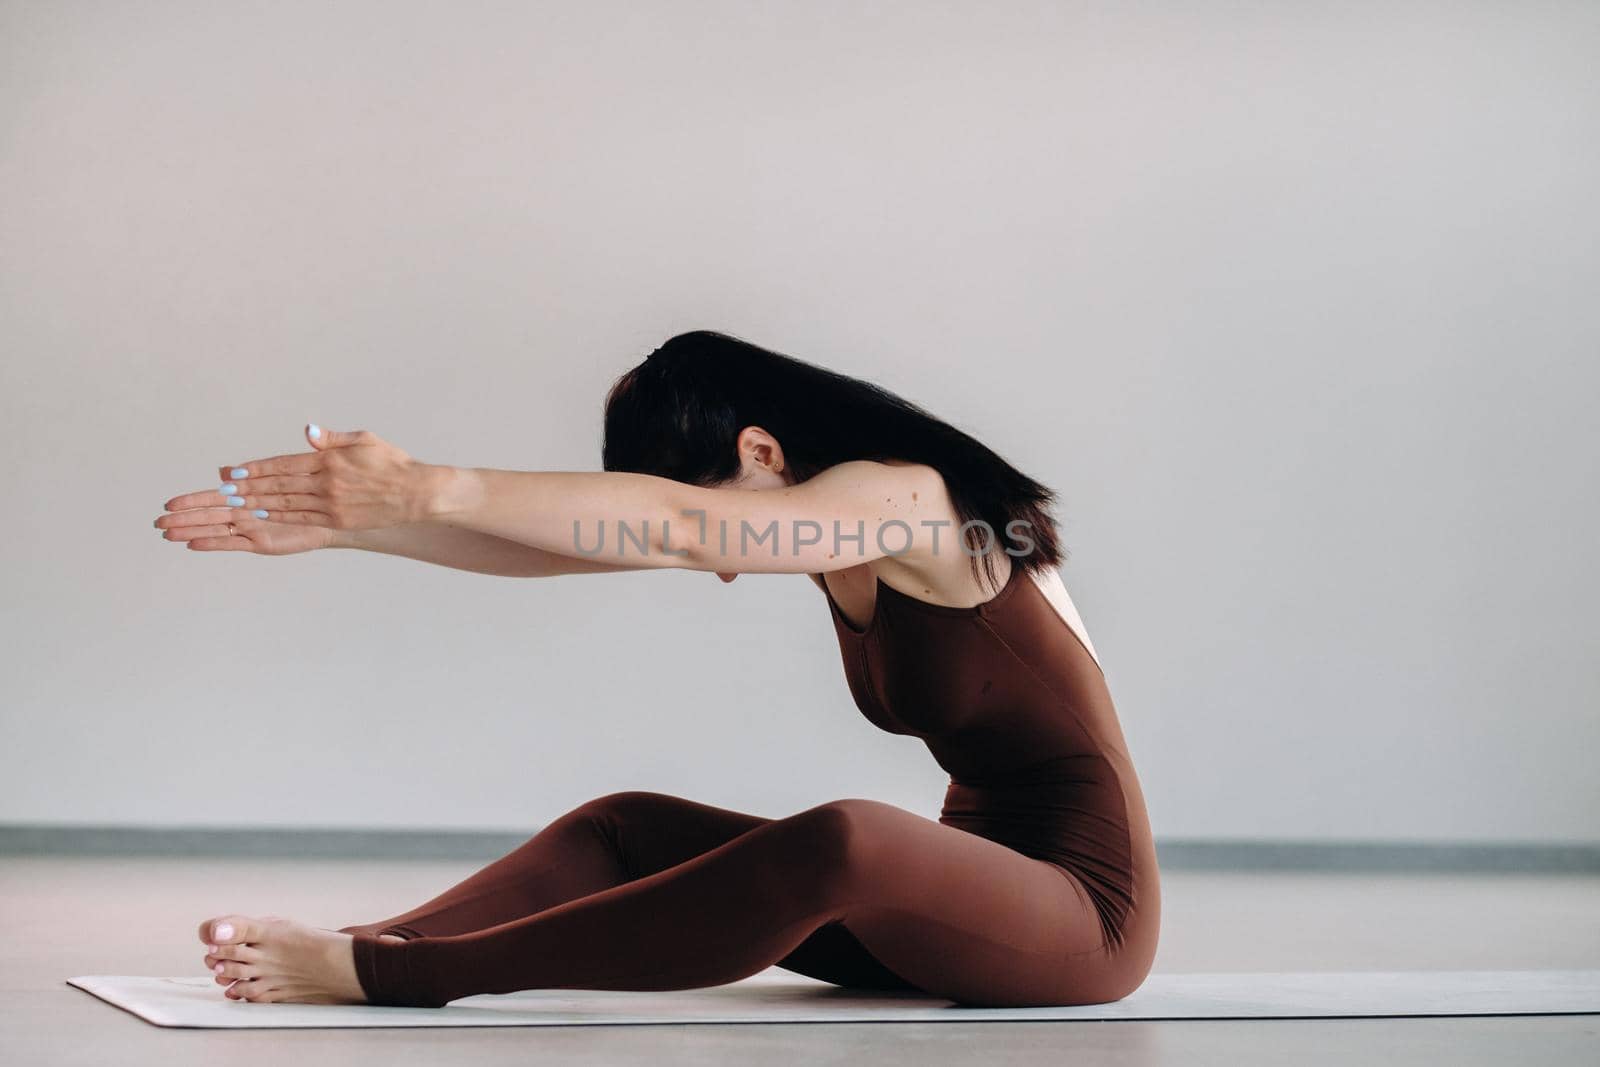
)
(916, 487)
(884, 471)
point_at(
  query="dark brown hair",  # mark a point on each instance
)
(678, 415)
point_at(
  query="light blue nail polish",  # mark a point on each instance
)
(228, 488)
(315, 431)
(258, 513)
(238, 472)
(236, 501)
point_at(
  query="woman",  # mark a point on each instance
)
(937, 560)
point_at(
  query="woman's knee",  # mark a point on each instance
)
(841, 845)
(626, 802)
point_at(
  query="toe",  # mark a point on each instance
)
(241, 952)
(234, 929)
(287, 993)
(245, 989)
(235, 969)
(261, 988)
(210, 963)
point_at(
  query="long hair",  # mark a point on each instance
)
(678, 415)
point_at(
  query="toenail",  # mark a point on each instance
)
(223, 931)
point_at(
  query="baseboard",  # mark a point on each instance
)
(473, 845)
(1376, 857)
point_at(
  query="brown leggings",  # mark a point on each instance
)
(645, 891)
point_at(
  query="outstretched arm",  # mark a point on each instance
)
(468, 550)
(852, 513)
(217, 527)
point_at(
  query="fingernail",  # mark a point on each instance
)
(238, 472)
(228, 487)
(213, 949)
(223, 931)
(258, 513)
(315, 431)
(218, 968)
(236, 501)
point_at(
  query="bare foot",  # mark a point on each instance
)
(268, 959)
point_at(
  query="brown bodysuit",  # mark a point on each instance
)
(1037, 885)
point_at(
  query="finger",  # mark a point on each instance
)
(280, 502)
(275, 483)
(233, 543)
(297, 463)
(191, 533)
(292, 518)
(195, 517)
(212, 524)
(208, 498)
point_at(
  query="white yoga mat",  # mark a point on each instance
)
(779, 996)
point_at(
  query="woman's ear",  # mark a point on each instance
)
(759, 448)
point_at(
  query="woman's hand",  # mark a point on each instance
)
(225, 529)
(352, 481)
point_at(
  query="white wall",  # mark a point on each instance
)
(1292, 303)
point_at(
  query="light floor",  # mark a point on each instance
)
(64, 916)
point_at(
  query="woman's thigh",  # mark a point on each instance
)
(651, 832)
(964, 917)
(918, 904)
